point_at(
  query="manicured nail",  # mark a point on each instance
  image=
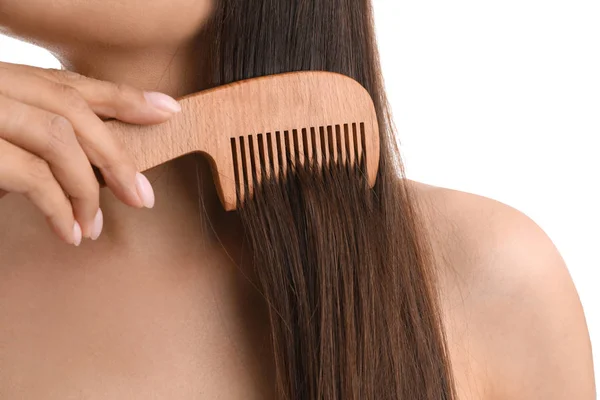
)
(98, 223)
(76, 234)
(144, 189)
(162, 102)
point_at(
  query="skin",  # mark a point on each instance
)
(157, 308)
(515, 325)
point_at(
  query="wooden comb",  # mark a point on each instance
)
(256, 129)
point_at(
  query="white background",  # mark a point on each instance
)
(498, 98)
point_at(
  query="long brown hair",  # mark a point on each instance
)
(346, 274)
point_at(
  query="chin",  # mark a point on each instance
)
(103, 23)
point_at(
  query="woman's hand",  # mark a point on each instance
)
(51, 132)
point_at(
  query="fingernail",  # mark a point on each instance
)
(162, 102)
(98, 224)
(144, 189)
(76, 234)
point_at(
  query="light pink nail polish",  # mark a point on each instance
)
(162, 102)
(98, 224)
(144, 189)
(76, 234)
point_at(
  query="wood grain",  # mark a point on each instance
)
(323, 114)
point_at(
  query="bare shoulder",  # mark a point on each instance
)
(512, 312)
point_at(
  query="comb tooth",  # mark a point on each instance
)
(324, 147)
(236, 168)
(298, 148)
(332, 145)
(363, 144)
(242, 169)
(335, 139)
(341, 145)
(316, 149)
(349, 145)
(282, 155)
(289, 150)
(256, 163)
(264, 157)
(357, 144)
(273, 159)
(306, 147)
(248, 168)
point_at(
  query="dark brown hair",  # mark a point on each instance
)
(346, 274)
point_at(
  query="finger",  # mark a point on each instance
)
(99, 144)
(52, 138)
(111, 100)
(24, 173)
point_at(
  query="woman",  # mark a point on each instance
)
(316, 289)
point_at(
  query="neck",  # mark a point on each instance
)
(176, 71)
(186, 200)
